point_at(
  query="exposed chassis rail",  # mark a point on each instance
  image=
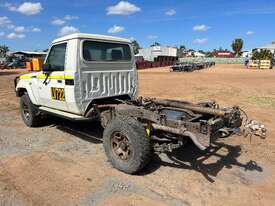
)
(175, 121)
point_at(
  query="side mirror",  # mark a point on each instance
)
(46, 68)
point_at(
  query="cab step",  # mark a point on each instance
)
(63, 114)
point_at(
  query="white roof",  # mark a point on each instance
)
(158, 48)
(199, 54)
(30, 52)
(91, 36)
(268, 46)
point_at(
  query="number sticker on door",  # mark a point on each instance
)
(58, 94)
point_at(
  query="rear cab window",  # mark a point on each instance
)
(95, 51)
(56, 57)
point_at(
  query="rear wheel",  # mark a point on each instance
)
(29, 112)
(126, 145)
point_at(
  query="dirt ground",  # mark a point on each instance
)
(54, 165)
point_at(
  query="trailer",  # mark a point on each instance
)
(191, 66)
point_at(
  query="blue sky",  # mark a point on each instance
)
(198, 24)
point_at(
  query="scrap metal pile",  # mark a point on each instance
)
(191, 66)
(16, 63)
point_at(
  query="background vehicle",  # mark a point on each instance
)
(92, 76)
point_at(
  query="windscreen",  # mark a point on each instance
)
(105, 51)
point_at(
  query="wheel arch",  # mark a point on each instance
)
(21, 91)
(23, 88)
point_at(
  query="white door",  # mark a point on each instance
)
(52, 85)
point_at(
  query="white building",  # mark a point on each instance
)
(29, 54)
(149, 54)
(199, 54)
(270, 47)
(247, 54)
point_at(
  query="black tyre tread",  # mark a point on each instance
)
(138, 139)
(35, 119)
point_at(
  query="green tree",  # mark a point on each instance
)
(237, 46)
(155, 44)
(182, 47)
(10, 58)
(263, 54)
(4, 50)
(181, 50)
(136, 46)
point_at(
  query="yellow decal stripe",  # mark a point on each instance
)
(43, 76)
(25, 77)
(69, 76)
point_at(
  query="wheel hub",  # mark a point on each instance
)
(120, 146)
(123, 146)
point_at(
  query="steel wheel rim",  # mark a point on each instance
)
(120, 146)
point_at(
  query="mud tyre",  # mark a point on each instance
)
(126, 145)
(29, 112)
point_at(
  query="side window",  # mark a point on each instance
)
(56, 57)
(106, 51)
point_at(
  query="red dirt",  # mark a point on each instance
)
(47, 166)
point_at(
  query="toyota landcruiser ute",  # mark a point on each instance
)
(86, 76)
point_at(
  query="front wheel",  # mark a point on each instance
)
(126, 144)
(29, 112)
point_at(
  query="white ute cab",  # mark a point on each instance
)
(79, 70)
(81, 73)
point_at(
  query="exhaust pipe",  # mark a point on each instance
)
(181, 132)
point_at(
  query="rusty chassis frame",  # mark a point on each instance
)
(170, 123)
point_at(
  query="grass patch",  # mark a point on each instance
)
(268, 101)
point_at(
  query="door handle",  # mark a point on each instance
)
(59, 81)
